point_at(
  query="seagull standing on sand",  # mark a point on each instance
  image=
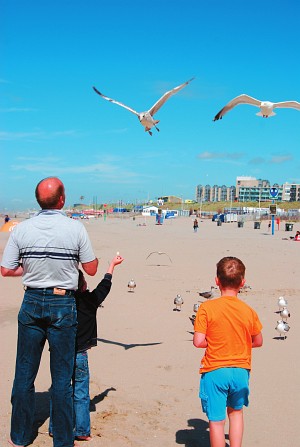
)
(178, 301)
(209, 294)
(282, 302)
(196, 307)
(245, 288)
(192, 319)
(284, 313)
(266, 107)
(131, 285)
(282, 327)
(146, 118)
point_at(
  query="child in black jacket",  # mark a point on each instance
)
(87, 303)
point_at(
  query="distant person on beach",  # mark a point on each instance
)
(87, 304)
(228, 328)
(6, 218)
(297, 236)
(46, 250)
(278, 222)
(195, 225)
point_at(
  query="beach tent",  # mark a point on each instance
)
(9, 226)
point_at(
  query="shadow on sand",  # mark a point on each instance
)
(42, 408)
(128, 346)
(99, 398)
(197, 436)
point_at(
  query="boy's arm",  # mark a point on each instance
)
(103, 288)
(99, 294)
(257, 340)
(115, 261)
(199, 340)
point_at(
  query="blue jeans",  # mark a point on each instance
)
(44, 316)
(82, 395)
(81, 382)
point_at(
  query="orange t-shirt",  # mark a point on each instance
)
(229, 324)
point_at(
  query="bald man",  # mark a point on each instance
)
(46, 251)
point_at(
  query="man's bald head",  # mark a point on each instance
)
(50, 193)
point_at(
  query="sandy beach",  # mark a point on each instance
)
(144, 371)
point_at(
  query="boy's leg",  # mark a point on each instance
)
(235, 402)
(82, 397)
(216, 434)
(236, 426)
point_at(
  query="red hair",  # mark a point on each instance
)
(230, 272)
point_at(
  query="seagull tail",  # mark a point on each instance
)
(156, 121)
(271, 114)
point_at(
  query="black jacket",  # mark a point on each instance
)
(87, 304)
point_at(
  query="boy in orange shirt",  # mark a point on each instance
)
(228, 328)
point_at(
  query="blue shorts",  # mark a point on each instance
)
(221, 388)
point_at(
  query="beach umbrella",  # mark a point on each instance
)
(9, 226)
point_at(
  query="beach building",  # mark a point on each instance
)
(150, 210)
(291, 192)
(215, 193)
(247, 189)
(250, 189)
(171, 199)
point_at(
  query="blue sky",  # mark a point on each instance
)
(52, 122)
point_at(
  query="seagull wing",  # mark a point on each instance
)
(288, 104)
(116, 102)
(168, 256)
(241, 99)
(151, 254)
(166, 96)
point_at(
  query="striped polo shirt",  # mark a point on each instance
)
(50, 246)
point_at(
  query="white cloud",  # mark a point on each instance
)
(257, 161)
(42, 135)
(278, 159)
(98, 172)
(220, 155)
(17, 109)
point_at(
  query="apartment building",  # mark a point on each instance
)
(215, 193)
(247, 189)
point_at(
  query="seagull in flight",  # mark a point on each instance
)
(266, 107)
(146, 118)
(159, 253)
